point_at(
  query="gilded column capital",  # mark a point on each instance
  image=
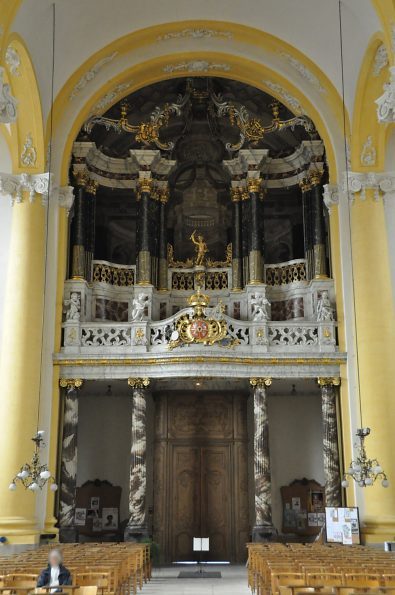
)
(315, 177)
(81, 177)
(71, 383)
(305, 185)
(260, 382)
(328, 381)
(138, 382)
(236, 193)
(254, 184)
(92, 186)
(145, 184)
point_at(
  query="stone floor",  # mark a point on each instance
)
(165, 581)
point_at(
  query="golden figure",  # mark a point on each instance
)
(200, 247)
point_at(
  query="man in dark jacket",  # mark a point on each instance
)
(55, 575)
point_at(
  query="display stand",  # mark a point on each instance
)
(200, 544)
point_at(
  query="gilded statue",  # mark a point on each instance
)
(200, 247)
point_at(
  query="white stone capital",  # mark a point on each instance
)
(357, 183)
(386, 102)
(146, 158)
(331, 196)
(15, 185)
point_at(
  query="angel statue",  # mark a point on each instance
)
(324, 308)
(73, 306)
(260, 307)
(140, 302)
(200, 247)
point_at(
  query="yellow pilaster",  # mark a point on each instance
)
(376, 346)
(20, 366)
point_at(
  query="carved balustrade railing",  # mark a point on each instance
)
(118, 275)
(214, 279)
(284, 273)
(155, 336)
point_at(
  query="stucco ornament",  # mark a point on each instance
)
(368, 153)
(288, 99)
(109, 98)
(8, 103)
(196, 33)
(260, 307)
(13, 60)
(90, 74)
(304, 72)
(386, 103)
(29, 153)
(195, 66)
(380, 60)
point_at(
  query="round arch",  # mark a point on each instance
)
(262, 65)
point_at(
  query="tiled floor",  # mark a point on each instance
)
(165, 581)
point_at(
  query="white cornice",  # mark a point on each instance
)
(355, 184)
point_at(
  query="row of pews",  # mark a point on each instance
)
(113, 568)
(296, 569)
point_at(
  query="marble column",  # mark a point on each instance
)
(330, 441)
(263, 528)
(162, 249)
(318, 227)
(78, 229)
(143, 232)
(90, 222)
(305, 187)
(255, 256)
(68, 468)
(237, 250)
(137, 524)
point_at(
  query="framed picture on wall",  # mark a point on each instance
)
(109, 518)
(95, 503)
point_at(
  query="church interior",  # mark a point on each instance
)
(197, 247)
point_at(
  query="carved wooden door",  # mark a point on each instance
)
(200, 501)
(200, 475)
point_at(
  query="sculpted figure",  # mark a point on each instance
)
(200, 247)
(260, 307)
(73, 306)
(324, 308)
(138, 306)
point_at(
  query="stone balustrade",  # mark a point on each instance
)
(146, 336)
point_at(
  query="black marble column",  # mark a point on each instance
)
(263, 485)
(255, 256)
(78, 230)
(137, 524)
(237, 248)
(90, 222)
(68, 468)
(307, 226)
(330, 440)
(318, 220)
(143, 233)
(162, 251)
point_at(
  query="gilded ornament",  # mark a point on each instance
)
(315, 177)
(200, 248)
(260, 382)
(71, 383)
(82, 177)
(92, 186)
(254, 184)
(222, 263)
(328, 381)
(177, 264)
(138, 382)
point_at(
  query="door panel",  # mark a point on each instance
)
(216, 519)
(185, 500)
(200, 475)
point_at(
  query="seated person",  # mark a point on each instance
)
(55, 574)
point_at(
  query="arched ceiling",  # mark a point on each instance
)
(198, 130)
(83, 28)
